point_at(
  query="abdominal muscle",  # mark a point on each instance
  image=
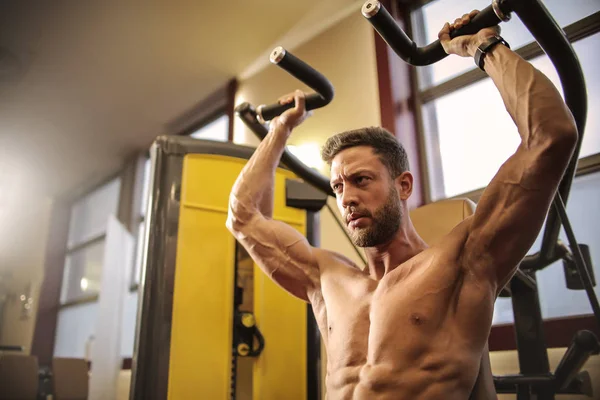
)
(385, 382)
(398, 365)
(379, 360)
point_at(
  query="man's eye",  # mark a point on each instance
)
(336, 187)
(362, 179)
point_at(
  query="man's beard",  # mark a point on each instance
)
(385, 222)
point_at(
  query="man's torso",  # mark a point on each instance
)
(418, 333)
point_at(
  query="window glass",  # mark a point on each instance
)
(90, 214)
(475, 136)
(83, 270)
(216, 130)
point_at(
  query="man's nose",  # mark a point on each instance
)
(349, 197)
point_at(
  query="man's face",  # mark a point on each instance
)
(366, 196)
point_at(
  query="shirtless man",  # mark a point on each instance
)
(414, 323)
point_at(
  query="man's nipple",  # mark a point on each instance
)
(417, 319)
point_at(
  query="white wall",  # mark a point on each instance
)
(74, 327)
(128, 324)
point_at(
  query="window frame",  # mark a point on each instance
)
(71, 249)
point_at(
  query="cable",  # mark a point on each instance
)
(345, 233)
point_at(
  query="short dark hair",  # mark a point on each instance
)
(391, 153)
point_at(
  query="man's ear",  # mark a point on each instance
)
(404, 184)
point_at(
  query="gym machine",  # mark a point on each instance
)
(176, 323)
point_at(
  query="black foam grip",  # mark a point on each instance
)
(309, 76)
(406, 49)
(271, 111)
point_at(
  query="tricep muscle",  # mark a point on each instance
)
(281, 252)
(512, 210)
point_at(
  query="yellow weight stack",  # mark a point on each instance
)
(203, 295)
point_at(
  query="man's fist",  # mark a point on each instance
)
(464, 46)
(294, 116)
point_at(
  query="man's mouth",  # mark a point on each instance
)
(354, 218)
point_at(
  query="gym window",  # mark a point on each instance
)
(82, 271)
(467, 132)
(218, 130)
(85, 247)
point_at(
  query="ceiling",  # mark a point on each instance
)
(85, 85)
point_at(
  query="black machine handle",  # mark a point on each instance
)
(551, 39)
(404, 47)
(254, 119)
(306, 74)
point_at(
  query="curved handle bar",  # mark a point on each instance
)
(247, 114)
(303, 72)
(406, 49)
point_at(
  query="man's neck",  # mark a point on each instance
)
(405, 244)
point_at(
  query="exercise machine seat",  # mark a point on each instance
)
(71, 378)
(435, 220)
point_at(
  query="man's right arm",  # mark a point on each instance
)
(281, 251)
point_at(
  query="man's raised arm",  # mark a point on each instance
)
(280, 250)
(513, 207)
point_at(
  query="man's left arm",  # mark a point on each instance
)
(513, 207)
